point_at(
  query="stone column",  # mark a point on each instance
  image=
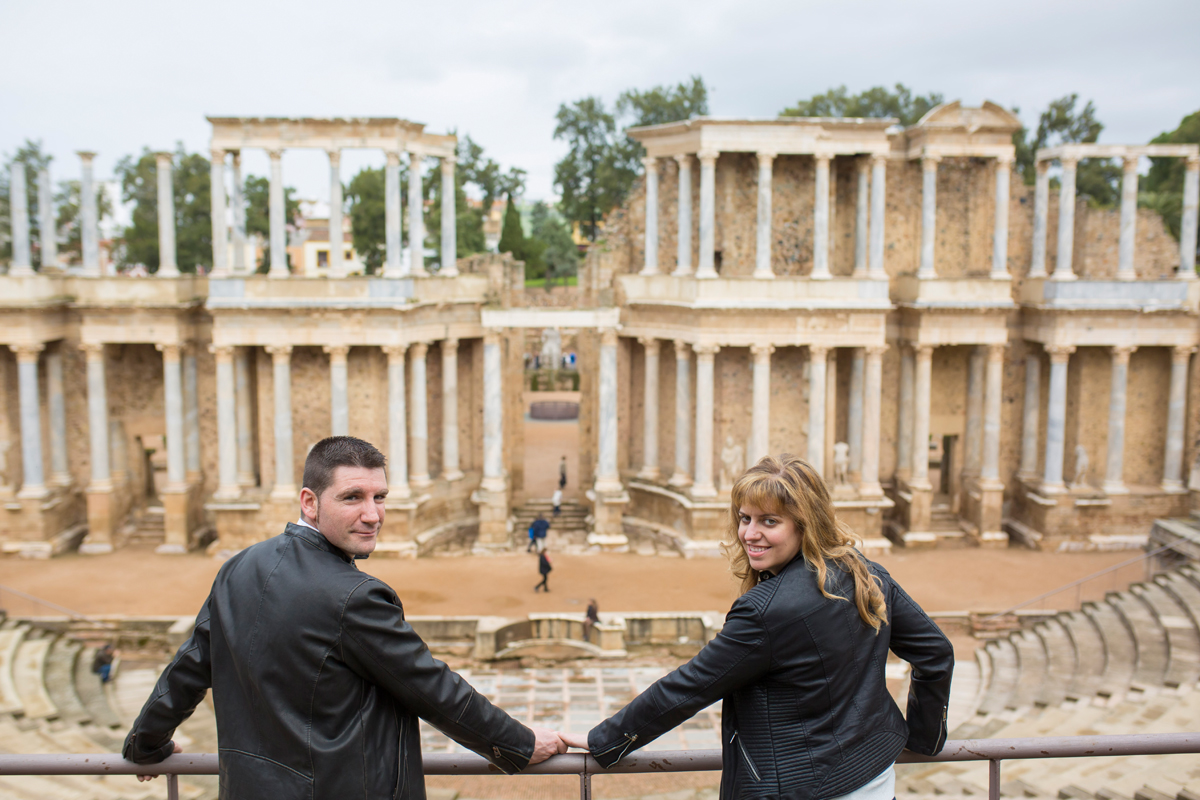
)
(650, 259)
(416, 216)
(47, 219)
(762, 251)
(878, 204)
(820, 270)
(450, 467)
(929, 166)
(1000, 231)
(397, 430)
(1187, 227)
(284, 490)
(1056, 418)
(228, 425)
(817, 377)
(337, 266)
(1176, 420)
(419, 422)
(904, 438)
(493, 413)
(60, 475)
(173, 410)
(1066, 223)
(703, 485)
(854, 419)
(167, 266)
(973, 443)
(1031, 418)
(683, 413)
(708, 226)
(649, 469)
(683, 245)
(34, 484)
(216, 173)
(990, 470)
(99, 491)
(1114, 468)
(244, 416)
(391, 216)
(608, 479)
(339, 390)
(1129, 191)
(18, 199)
(831, 404)
(191, 417)
(238, 201)
(449, 266)
(278, 220)
(1041, 216)
(872, 422)
(88, 218)
(760, 415)
(862, 215)
(922, 390)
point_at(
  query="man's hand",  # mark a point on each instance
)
(574, 740)
(178, 749)
(546, 743)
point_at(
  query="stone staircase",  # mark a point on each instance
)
(146, 526)
(1128, 664)
(568, 532)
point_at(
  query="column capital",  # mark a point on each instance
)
(816, 351)
(393, 157)
(449, 345)
(447, 163)
(171, 352)
(223, 352)
(85, 156)
(826, 157)
(217, 156)
(1068, 162)
(863, 164)
(1182, 352)
(1042, 167)
(273, 153)
(237, 157)
(876, 349)
(92, 349)
(1059, 353)
(762, 351)
(649, 342)
(684, 160)
(709, 350)
(27, 353)
(395, 352)
(922, 350)
(1129, 164)
(995, 352)
(608, 337)
(421, 349)
(1005, 161)
(279, 352)
(879, 159)
(163, 156)
(1193, 163)
(681, 349)
(414, 156)
(929, 161)
(766, 158)
(1122, 353)
(493, 335)
(650, 162)
(335, 155)
(337, 352)
(708, 157)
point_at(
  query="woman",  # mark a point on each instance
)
(800, 660)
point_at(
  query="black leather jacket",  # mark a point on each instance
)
(317, 682)
(806, 710)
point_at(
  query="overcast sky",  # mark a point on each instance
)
(116, 76)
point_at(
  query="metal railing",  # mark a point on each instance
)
(994, 751)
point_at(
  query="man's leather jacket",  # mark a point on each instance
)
(806, 710)
(317, 682)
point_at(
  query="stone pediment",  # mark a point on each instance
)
(986, 118)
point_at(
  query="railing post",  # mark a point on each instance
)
(172, 787)
(585, 785)
(994, 779)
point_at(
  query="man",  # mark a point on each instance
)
(562, 473)
(317, 679)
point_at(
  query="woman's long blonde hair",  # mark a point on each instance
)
(789, 486)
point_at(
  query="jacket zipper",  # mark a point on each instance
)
(745, 756)
(941, 741)
(630, 738)
(507, 755)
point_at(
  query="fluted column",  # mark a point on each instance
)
(708, 225)
(337, 265)
(1000, 231)
(1176, 420)
(1041, 217)
(97, 399)
(450, 466)
(1063, 270)
(817, 378)
(1125, 246)
(760, 415)
(973, 436)
(649, 469)
(191, 416)
(878, 204)
(820, 269)
(1031, 416)
(392, 267)
(416, 216)
(237, 201)
(703, 485)
(990, 470)
(1056, 418)
(872, 421)
(1187, 225)
(762, 251)
(284, 490)
(683, 413)
(419, 421)
(18, 199)
(228, 429)
(173, 409)
(397, 424)
(854, 417)
(929, 167)
(47, 220)
(339, 390)
(608, 479)
(904, 437)
(1114, 469)
(449, 266)
(278, 217)
(244, 416)
(34, 485)
(60, 475)
(650, 259)
(493, 413)
(167, 266)
(922, 391)
(683, 245)
(89, 234)
(220, 268)
(862, 216)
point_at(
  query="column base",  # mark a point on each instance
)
(1064, 276)
(420, 481)
(454, 475)
(494, 533)
(1170, 487)
(648, 271)
(1000, 276)
(763, 276)
(227, 494)
(1115, 487)
(681, 272)
(605, 486)
(608, 530)
(399, 492)
(37, 492)
(95, 548)
(679, 479)
(648, 473)
(493, 485)
(706, 490)
(707, 274)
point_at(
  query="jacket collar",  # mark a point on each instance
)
(316, 539)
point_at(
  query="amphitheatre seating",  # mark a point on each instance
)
(29, 677)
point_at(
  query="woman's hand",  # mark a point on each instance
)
(178, 749)
(578, 740)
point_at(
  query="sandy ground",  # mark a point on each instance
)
(546, 442)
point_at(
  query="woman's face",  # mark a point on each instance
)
(769, 538)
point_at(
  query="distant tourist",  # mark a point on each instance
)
(102, 663)
(800, 660)
(537, 534)
(562, 473)
(544, 568)
(590, 618)
(556, 501)
(317, 680)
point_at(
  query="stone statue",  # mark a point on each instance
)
(1081, 468)
(841, 463)
(551, 349)
(733, 463)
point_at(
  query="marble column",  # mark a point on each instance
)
(1041, 217)
(817, 378)
(228, 427)
(244, 416)
(191, 416)
(60, 475)
(1063, 270)
(929, 168)
(649, 470)
(650, 256)
(449, 257)
(34, 484)
(820, 269)
(683, 244)
(703, 485)
(760, 415)
(973, 435)
(854, 418)
(493, 413)
(419, 420)
(1129, 192)
(392, 267)
(993, 399)
(238, 201)
(337, 252)
(878, 205)
(1032, 415)
(339, 390)
(1056, 418)
(88, 218)
(1114, 468)
(216, 173)
(831, 405)
(862, 215)
(1176, 420)
(47, 220)
(167, 265)
(922, 391)
(450, 465)
(18, 198)
(708, 227)
(683, 413)
(284, 490)
(416, 216)
(1000, 229)
(278, 218)
(762, 250)
(608, 479)
(1187, 226)
(97, 399)
(397, 427)
(872, 422)
(173, 410)
(904, 437)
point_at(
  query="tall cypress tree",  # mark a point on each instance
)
(512, 237)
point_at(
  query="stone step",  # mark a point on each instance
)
(1005, 671)
(1186, 593)
(1033, 668)
(1148, 635)
(91, 692)
(10, 642)
(1089, 654)
(1183, 643)
(29, 677)
(1120, 651)
(60, 681)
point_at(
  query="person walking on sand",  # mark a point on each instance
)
(556, 501)
(590, 618)
(544, 568)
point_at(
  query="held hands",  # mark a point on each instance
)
(178, 749)
(578, 740)
(551, 743)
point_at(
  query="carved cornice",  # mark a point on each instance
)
(395, 352)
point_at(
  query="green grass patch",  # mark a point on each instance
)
(540, 283)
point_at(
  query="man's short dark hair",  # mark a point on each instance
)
(338, 451)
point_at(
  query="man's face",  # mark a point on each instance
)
(349, 513)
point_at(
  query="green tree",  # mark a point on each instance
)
(365, 193)
(193, 216)
(70, 227)
(31, 156)
(258, 214)
(512, 235)
(1097, 179)
(876, 102)
(1162, 188)
(560, 256)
